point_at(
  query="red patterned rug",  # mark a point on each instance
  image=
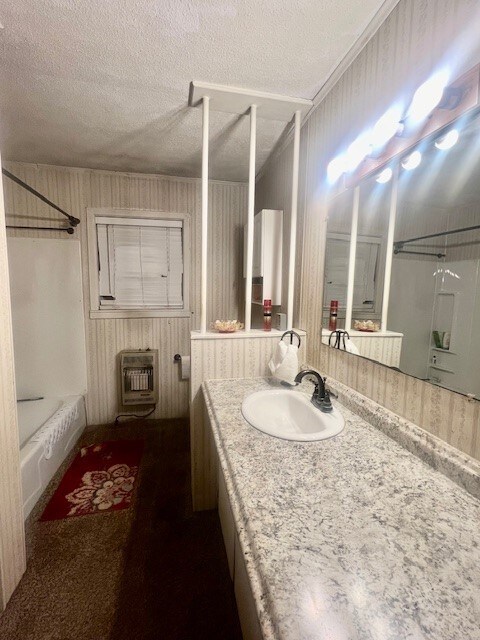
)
(101, 478)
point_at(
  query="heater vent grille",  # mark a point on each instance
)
(139, 377)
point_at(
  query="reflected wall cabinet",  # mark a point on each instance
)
(267, 256)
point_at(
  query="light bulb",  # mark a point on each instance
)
(386, 127)
(448, 140)
(412, 161)
(384, 176)
(358, 151)
(336, 168)
(427, 96)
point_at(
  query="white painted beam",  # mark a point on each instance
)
(389, 256)
(352, 257)
(293, 219)
(270, 106)
(251, 214)
(205, 141)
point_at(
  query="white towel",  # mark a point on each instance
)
(278, 357)
(351, 347)
(284, 363)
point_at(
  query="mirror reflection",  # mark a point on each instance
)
(423, 316)
(337, 250)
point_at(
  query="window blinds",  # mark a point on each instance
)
(141, 265)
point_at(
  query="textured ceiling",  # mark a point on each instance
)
(104, 84)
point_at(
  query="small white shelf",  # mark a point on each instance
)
(267, 257)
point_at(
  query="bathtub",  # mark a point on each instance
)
(40, 460)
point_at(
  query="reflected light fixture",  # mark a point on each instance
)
(384, 176)
(448, 140)
(336, 168)
(412, 161)
(428, 96)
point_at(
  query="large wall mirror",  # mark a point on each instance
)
(402, 261)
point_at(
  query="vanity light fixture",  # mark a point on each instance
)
(448, 140)
(428, 96)
(358, 151)
(386, 127)
(433, 93)
(384, 176)
(336, 168)
(412, 161)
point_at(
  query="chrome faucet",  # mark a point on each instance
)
(321, 396)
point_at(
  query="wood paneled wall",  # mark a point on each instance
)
(449, 416)
(76, 189)
(417, 37)
(12, 541)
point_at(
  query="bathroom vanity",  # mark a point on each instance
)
(354, 537)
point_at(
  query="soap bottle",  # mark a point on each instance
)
(267, 315)
(332, 322)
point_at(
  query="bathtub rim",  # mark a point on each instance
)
(35, 469)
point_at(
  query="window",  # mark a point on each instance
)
(139, 264)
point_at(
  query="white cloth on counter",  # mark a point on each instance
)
(54, 428)
(284, 363)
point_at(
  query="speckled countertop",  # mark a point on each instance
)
(349, 538)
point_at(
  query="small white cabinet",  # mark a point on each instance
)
(267, 256)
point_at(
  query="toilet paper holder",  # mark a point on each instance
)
(184, 365)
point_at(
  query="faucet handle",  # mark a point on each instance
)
(328, 392)
(326, 403)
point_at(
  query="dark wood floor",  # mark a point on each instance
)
(154, 571)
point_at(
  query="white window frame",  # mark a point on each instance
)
(126, 214)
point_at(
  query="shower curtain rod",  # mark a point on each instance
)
(400, 243)
(419, 253)
(73, 221)
(68, 230)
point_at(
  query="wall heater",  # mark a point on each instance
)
(139, 377)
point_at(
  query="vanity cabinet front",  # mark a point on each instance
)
(243, 593)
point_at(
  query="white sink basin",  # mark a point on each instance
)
(290, 415)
